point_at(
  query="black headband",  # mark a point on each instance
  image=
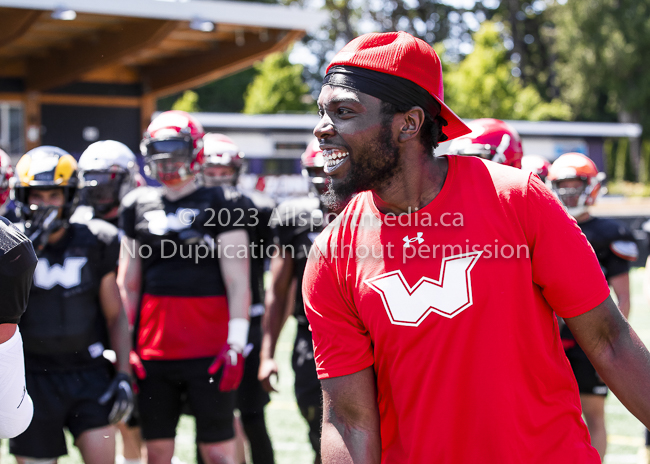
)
(392, 89)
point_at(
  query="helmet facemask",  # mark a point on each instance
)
(102, 189)
(576, 199)
(170, 161)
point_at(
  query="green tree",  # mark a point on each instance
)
(225, 95)
(278, 88)
(603, 49)
(189, 102)
(483, 85)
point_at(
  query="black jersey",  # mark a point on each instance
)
(17, 263)
(64, 325)
(262, 237)
(177, 238)
(297, 223)
(613, 243)
(615, 248)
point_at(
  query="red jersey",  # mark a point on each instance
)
(453, 305)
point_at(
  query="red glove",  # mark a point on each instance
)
(233, 368)
(136, 365)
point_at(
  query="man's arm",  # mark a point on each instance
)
(275, 315)
(118, 327)
(129, 276)
(621, 286)
(618, 355)
(351, 419)
(235, 271)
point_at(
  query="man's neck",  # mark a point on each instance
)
(177, 193)
(418, 182)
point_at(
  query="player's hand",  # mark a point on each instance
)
(120, 391)
(233, 368)
(136, 365)
(268, 368)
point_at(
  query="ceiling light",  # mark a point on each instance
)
(64, 14)
(202, 25)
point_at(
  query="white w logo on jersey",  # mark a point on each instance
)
(67, 276)
(161, 223)
(448, 296)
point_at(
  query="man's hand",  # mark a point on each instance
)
(120, 390)
(268, 368)
(233, 368)
(136, 365)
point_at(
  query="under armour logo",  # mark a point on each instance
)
(67, 276)
(448, 296)
(408, 241)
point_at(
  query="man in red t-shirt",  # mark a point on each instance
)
(432, 296)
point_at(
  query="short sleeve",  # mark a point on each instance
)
(111, 255)
(564, 263)
(342, 345)
(127, 214)
(616, 266)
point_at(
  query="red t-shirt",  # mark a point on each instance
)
(453, 306)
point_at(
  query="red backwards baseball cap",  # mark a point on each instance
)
(402, 55)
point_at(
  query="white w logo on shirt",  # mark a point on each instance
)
(67, 276)
(448, 296)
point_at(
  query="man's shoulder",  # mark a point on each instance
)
(142, 194)
(94, 230)
(614, 234)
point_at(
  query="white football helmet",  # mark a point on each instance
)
(108, 170)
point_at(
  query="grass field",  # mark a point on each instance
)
(289, 432)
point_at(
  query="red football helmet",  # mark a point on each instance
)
(575, 167)
(6, 173)
(312, 161)
(222, 160)
(491, 139)
(537, 165)
(173, 147)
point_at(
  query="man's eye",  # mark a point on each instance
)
(321, 112)
(344, 111)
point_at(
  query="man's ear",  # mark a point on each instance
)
(411, 123)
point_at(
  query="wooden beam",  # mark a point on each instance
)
(15, 22)
(32, 120)
(178, 74)
(147, 108)
(89, 100)
(60, 68)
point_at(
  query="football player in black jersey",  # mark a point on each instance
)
(74, 314)
(222, 164)
(297, 223)
(184, 269)
(17, 263)
(576, 181)
(108, 170)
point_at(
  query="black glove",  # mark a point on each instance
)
(120, 389)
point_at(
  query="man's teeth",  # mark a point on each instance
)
(332, 158)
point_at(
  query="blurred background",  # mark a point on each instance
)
(569, 75)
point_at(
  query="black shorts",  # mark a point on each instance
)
(169, 384)
(307, 387)
(62, 399)
(251, 396)
(589, 382)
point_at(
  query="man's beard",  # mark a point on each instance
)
(375, 165)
